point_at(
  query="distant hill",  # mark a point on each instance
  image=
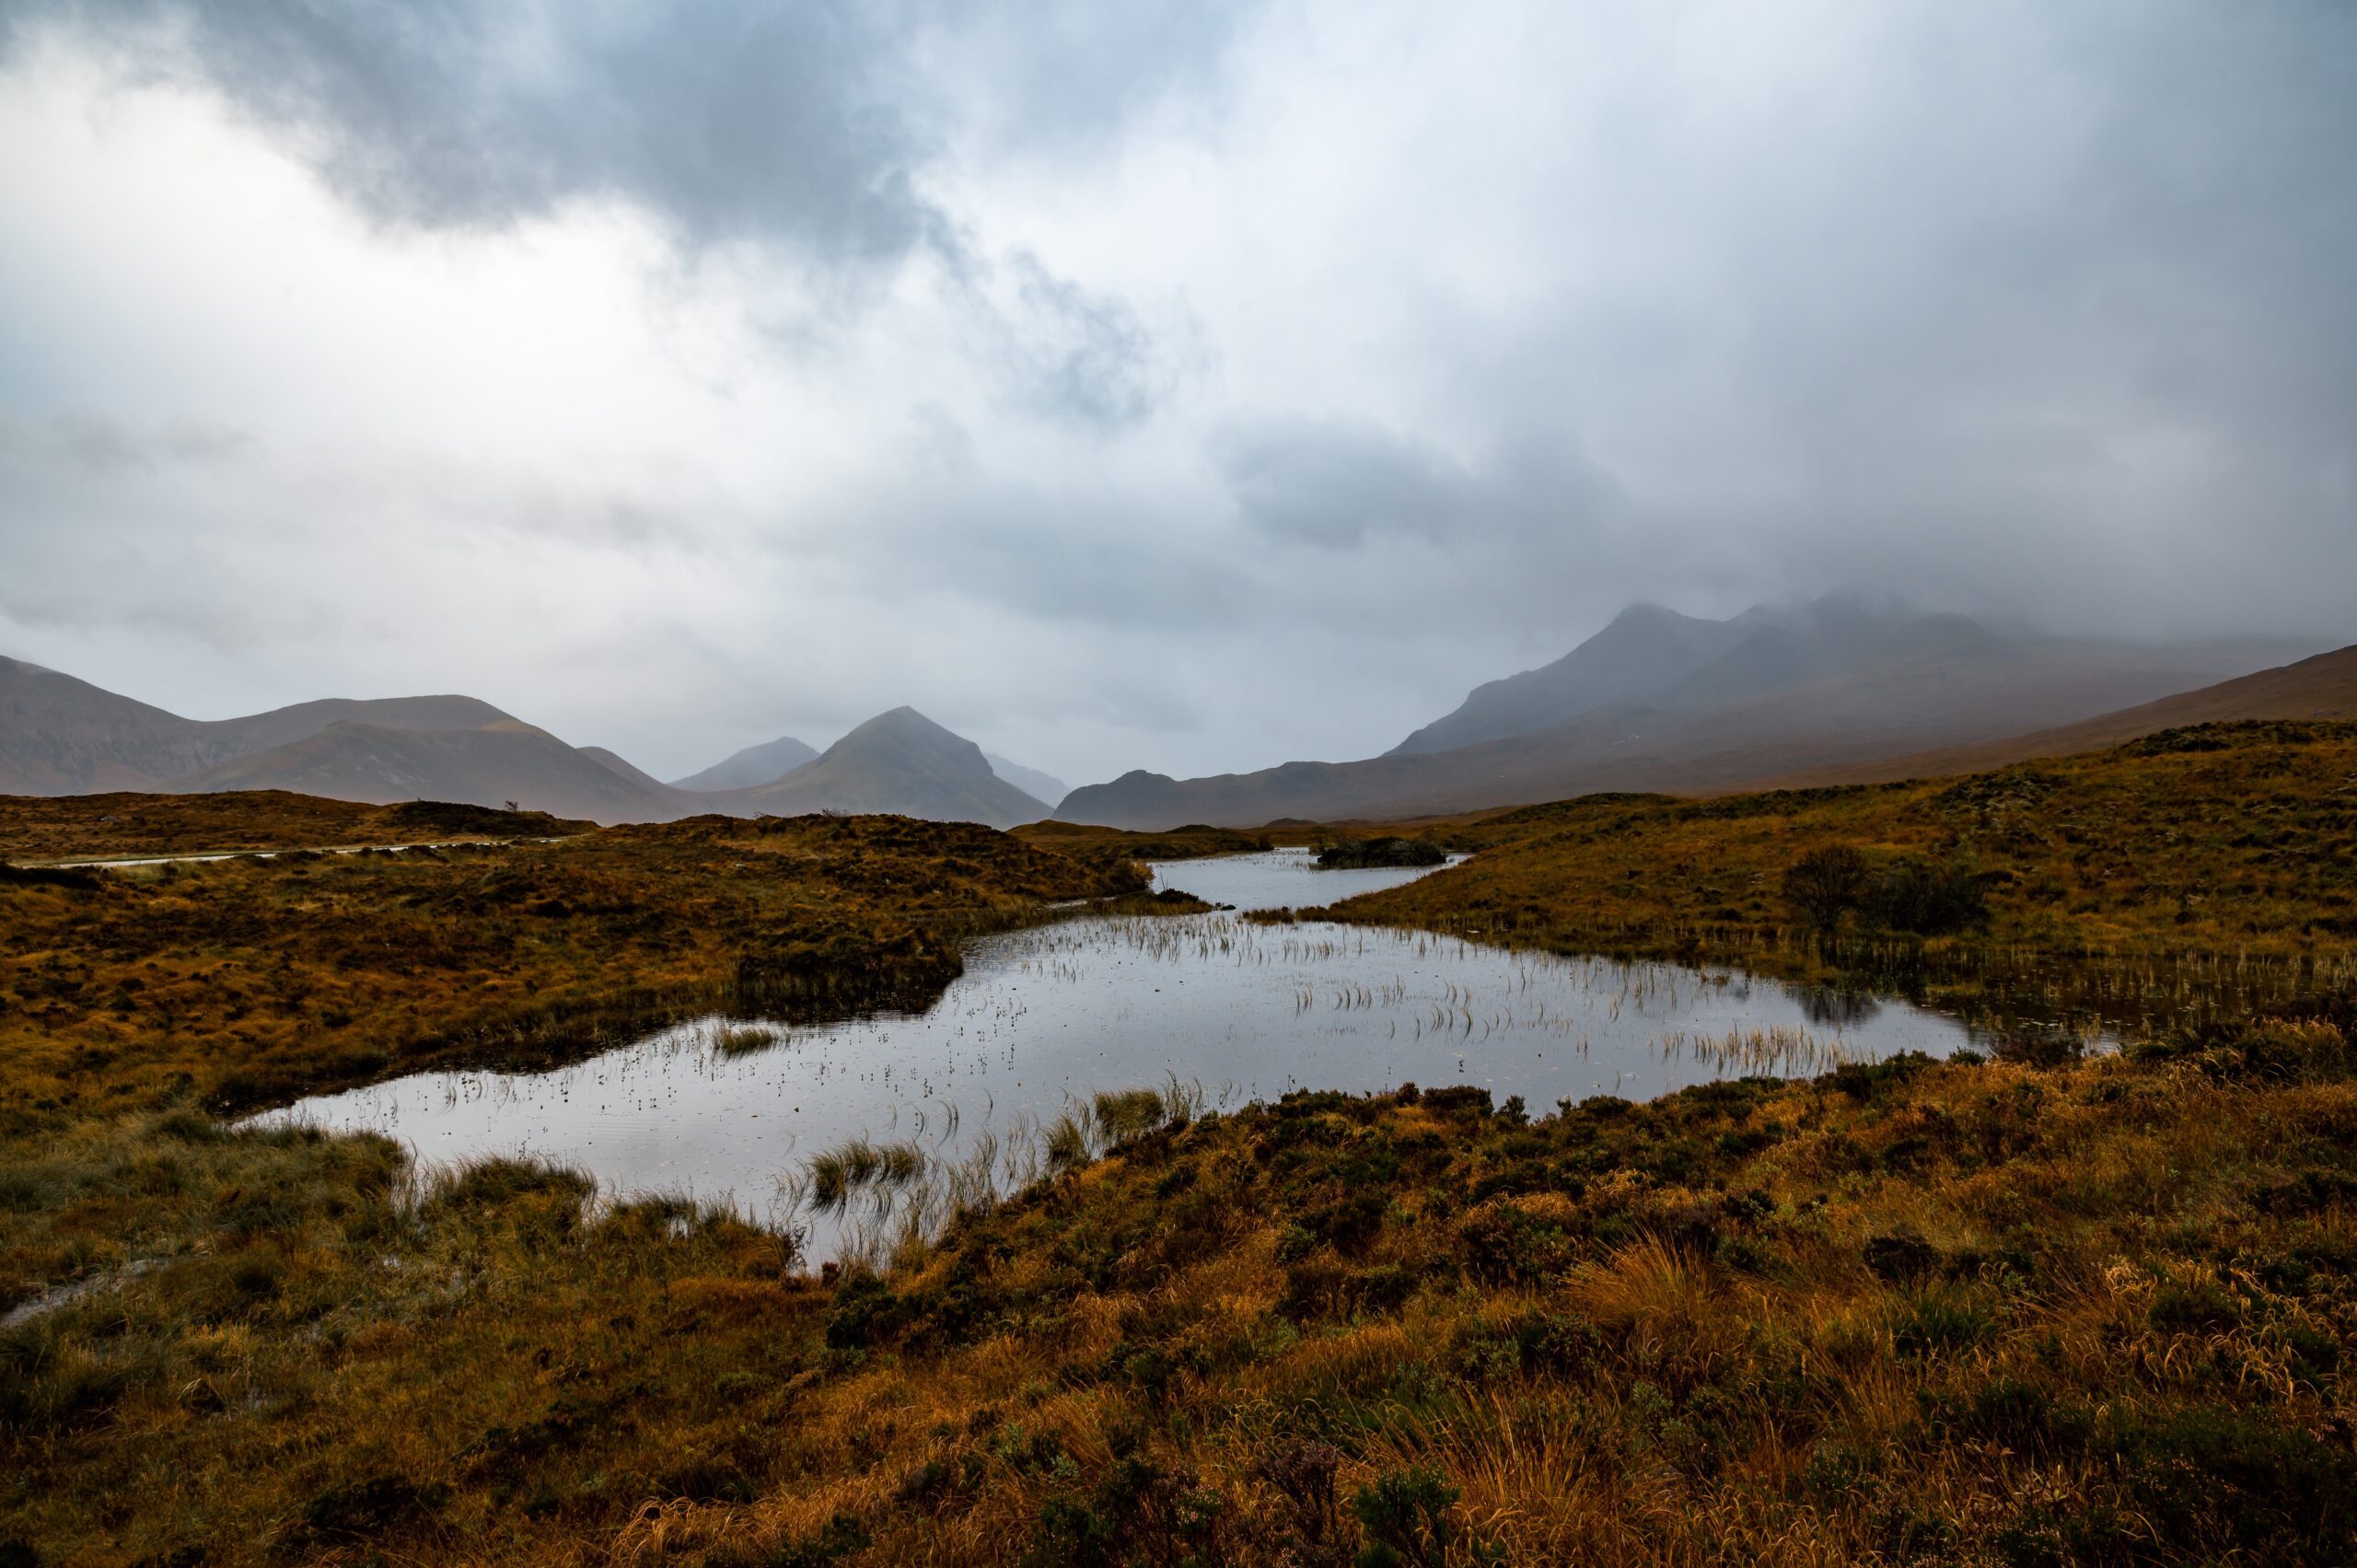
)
(898, 761)
(1030, 781)
(1689, 707)
(510, 760)
(62, 736)
(752, 767)
(2324, 687)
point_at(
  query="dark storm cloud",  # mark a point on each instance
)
(794, 125)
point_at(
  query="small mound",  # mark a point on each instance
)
(1361, 853)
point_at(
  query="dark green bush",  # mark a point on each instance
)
(1909, 893)
(1405, 1515)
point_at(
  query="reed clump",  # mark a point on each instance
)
(744, 1039)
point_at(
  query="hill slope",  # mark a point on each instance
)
(1774, 695)
(898, 761)
(64, 735)
(752, 767)
(61, 736)
(2324, 687)
(510, 760)
(1653, 657)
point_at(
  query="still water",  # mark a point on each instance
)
(1043, 1018)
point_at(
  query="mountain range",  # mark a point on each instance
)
(64, 735)
(1660, 701)
(1840, 690)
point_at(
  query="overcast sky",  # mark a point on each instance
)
(1179, 386)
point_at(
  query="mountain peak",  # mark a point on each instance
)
(752, 767)
(903, 762)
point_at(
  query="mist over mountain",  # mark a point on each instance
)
(861, 349)
(1650, 656)
(1030, 781)
(1659, 701)
(753, 766)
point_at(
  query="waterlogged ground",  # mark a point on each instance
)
(1235, 1010)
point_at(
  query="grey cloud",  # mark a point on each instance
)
(1065, 75)
(98, 445)
(1084, 555)
(2021, 306)
(1342, 485)
(1080, 356)
(731, 120)
(1334, 485)
(792, 124)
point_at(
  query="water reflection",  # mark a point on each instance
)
(1285, 878)
(1838, 1009)
(1214, 1006)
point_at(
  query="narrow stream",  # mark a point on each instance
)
(1220, 1005)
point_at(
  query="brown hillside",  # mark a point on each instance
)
(2324, 687)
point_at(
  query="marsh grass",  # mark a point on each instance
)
(1758, 1321)
(744, 1039)
(2186, 878)
(2044, 1309)
(917, 1196)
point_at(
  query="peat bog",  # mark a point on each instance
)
(2026, 1305)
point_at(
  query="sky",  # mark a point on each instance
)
(1187, 387)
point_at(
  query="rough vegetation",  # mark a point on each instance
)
(34, 828)
(1117, 846)
(218, 986)
(2192, 870)
(1386, 849)
(2034, 1310)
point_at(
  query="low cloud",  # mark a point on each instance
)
(1170, 385)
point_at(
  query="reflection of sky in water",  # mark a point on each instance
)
(1285, 879)
(1247, 1012)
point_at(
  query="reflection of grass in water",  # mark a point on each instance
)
(834, 1176)
(918, 1196)
(1778, 1050)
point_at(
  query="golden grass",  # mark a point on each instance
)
(2099, 1311)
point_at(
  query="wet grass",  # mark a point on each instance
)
(1119, 846)
(166, 1278)
(2192, 874)
(44, 828)
(744, 1039)
(1938, 1312)
(2026, 1311)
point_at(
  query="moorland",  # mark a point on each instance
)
(2043, 1305)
